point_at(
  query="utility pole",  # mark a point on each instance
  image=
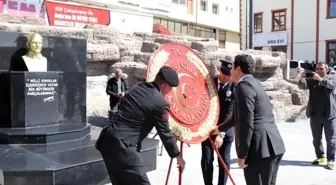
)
(251, 32)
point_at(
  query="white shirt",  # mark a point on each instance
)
(242, 78)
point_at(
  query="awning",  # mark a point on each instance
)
(159, 28)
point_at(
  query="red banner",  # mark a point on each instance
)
(60, 14)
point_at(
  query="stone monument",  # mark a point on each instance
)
(44, 135)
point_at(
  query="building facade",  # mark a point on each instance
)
(304, 30)
(200, 18)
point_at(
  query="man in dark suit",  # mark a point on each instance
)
(142, 108)
(222, 141)
(259, 144)
(116, 88)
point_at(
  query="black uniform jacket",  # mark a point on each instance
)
(142, 108)
(226, 99)
(256, 132)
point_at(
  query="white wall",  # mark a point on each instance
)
(304, 26)
(266, 6)
(327, 30)
(232, 46)
(180, 12)
(128, 22)
(228, 17)
(304, 30)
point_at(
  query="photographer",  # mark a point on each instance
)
(321, 110)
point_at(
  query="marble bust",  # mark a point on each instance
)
(34, 60)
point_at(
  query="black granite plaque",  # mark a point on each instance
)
(34, 97)
(44, 135)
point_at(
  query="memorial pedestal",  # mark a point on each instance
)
(50, 149)
(44, 135)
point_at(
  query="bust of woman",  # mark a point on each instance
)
(34, 60)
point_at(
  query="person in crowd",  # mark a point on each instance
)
(116, 88)
(222, 141)
(141, 109)
(259, 144)
(321, 109)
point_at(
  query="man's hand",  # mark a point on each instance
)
(215, 131)
(241, 163)
(180, 162)
(303, 77)
(316, 77)
(121, 95)
(218, 142)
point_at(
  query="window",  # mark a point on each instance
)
(279, 49)
(184, 28)
(156, 20)
(222, 38)
(293, 64)
(178, 27)
(331, 9)
(199, 31)
(331, 51)
(175, 27)
(204, 6)
(279, 20)
(182, 2)
(215, 9)
(258, 18)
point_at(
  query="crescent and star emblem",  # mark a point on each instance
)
(193, 111)
(183, 87)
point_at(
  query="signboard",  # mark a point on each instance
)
(271, 39)
(59, 14)
(21, 7)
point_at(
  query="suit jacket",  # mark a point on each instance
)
(141, 109)
(226, 99)
(257, 135)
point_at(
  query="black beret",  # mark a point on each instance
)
(169, 75)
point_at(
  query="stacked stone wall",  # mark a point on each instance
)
(107, 49)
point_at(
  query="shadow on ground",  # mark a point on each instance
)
(296, 116)
(296, 163)
(284, 163)
(98, 121)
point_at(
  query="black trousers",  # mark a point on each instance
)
(208, 158)
(317, 125)
(125, 175)
(114, 105)
(263, 172)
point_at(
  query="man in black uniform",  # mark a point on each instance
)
(223, 141)
(141, 109)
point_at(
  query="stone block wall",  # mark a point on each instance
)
(108, 49)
